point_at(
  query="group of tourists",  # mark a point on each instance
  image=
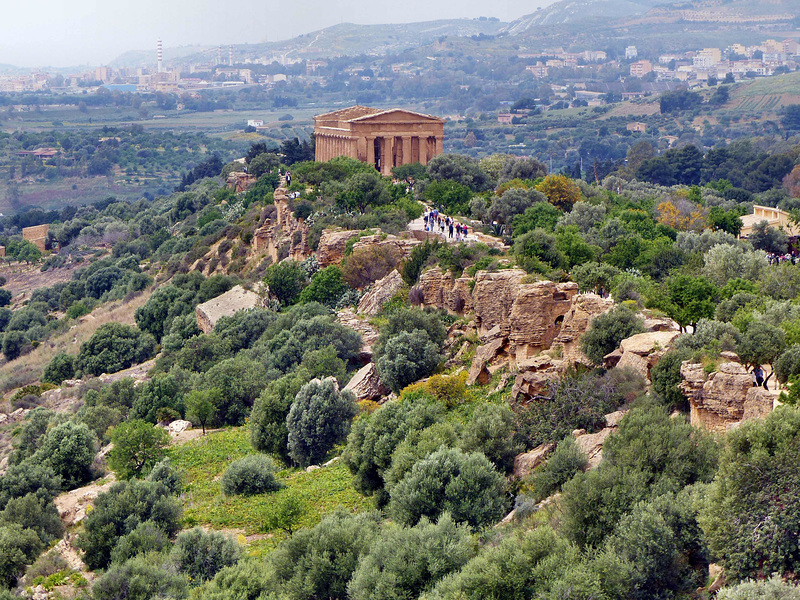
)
(445, 225)
(775, 259)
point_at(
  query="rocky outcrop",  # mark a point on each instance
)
(332, 245)
(72, 506)
(366, 384)
(526, 319)
(382, 291)
(524, 464)
(402, 244)
(724, 397)
(438, 289)
(235, 299)
(641, 352)
(283, 235)
(536, 316)
(534, 377)
(239, 181)
(591, 444)
(369, 335)
(577, 319)
(493, 297)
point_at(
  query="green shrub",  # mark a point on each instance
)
(773, 588)
(18, 547)
(465, 485)
(119, 511)
(319, 562)
(147, 537)
(405, 562)
(373, 438)
(650, 453)
(406, 358)
(319, 419)
(491, 431)
(166, 474)
(254, 474)
(751, 510)
(666, 378)
(285, 280)
(239, 380)
(566, 461)
(268, 432)
(607, 331)
(60, 367)
(69, 449)
(34, 512)
(141, 578)
(114, 347)
(15, 343)
(138, 446)
(201, 555)
(326, 287)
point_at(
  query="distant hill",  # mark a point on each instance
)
(141, 58)
(625, 12)
(345, 39)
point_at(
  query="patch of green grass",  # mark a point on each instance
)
(205, 459)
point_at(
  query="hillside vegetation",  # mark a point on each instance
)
(407, 413)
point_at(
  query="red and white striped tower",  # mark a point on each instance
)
(230, 55)
(160, 57)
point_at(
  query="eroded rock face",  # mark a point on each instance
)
(240, 181)
(284, 235)
(577, 319)
(369, 335)
(402, 244)
(366, 384)
(493, 297)
(524, 464)
(641, 352)
(332, 244)
(534, 378)
(723, 398)
(536, 316)
(382, 291)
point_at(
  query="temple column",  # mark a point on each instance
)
(439, 145)
(387, 156)
(423, 150)
(406, 150)
(370, 150)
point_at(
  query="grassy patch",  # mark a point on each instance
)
(205, 459)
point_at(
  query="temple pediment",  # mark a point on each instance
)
(397, 115)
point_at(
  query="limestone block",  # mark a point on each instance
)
(382, 291)
(524, 464)
(332, 244)
(235, 299)
(366, 384)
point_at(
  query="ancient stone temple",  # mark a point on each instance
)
(384, 138)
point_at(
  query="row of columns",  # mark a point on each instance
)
(394, 151)
(385, 152)
(330, 146)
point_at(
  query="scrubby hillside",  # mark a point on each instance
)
(475, 379)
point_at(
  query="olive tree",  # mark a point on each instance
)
(319, 419)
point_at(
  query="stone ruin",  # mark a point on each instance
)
(228, 304)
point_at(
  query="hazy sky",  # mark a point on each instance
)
(63, 33)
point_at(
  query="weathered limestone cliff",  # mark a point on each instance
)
(284, 235)
(240, 181)
(724, 397)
